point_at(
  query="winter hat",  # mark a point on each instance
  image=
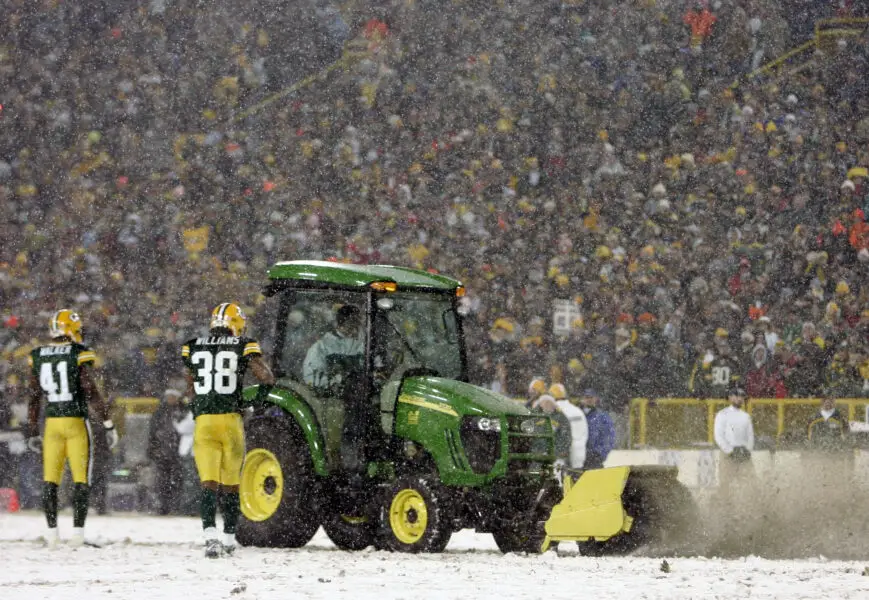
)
(558, 391)
(537, 386)
(546, 403)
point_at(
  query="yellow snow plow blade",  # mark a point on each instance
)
(591, 509)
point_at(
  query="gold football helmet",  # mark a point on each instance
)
(66, 323)
(229, 315)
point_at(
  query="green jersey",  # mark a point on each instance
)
(218, 364)
(56, 368)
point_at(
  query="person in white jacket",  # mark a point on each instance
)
(734, 436)
(578, 432)
(571, 433)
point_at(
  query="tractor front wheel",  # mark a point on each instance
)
(414, 516)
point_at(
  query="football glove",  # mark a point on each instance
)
(111, 434)
(34, 444)
(262, 394)
(740, 454)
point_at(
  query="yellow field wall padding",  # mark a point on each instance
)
(689, 422)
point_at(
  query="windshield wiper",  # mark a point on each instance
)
(405, 342)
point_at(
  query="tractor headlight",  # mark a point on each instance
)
(488, 424)
(527, 426)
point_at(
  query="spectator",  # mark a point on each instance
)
(691, 181)
(718, 369)
(558, 391)
(571, 430)
(601, 431)
(547, 405)
(734, 436)
(770, 337)
(102, 466)
(578, 423)
(810, 350)
(762, 380)
(536, 388)
(164, 450)
(828, 429)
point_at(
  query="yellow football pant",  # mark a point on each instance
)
(66, 438)
(218, 448)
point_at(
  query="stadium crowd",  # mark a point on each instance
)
(593, 152)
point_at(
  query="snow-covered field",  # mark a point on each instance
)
(157, 558)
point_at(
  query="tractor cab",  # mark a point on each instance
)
(346, 349)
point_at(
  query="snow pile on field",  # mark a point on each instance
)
(817, 508)
(152, 558)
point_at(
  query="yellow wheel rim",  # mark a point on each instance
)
(408, 516)
(262, 485)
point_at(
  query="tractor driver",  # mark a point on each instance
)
(331, 361)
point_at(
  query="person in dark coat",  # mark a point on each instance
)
(828, 428)
(101, 469)
(163, 442)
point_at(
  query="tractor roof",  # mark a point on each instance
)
(327, 273)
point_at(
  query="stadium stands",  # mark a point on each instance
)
(593, 153)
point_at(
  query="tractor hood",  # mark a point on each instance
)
(463, 398)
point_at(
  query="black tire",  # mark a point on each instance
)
(296, 519)
(641, 503)
(350, 532)
(592, 548)
(526, 533)
(526, 537)
(401, 509)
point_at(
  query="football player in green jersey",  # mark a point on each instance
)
(216, 367)
(61, 373)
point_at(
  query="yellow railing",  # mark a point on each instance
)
(145, 404)
(685, 422)
(840, 27)
(826, 30)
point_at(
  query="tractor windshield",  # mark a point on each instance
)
(417, 331)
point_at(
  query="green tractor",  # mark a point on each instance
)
(372, 431)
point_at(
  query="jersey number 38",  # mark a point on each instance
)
(218, 372)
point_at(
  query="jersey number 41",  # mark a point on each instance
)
(51, 384)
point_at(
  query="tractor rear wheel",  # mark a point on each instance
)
(414, 516)
(278, 487)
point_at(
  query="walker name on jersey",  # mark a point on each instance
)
(54, 350)
(218, 341)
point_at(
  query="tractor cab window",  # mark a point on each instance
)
(416, 331)
(324, 337)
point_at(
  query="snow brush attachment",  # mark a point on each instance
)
(619, 509)
(591, 508)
